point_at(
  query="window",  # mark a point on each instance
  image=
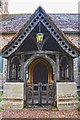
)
(15, 69)
(1, 64)
(64, 69)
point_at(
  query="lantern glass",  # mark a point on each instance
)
(39, 37)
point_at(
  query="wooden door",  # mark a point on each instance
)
(40, 73)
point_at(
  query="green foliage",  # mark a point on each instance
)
(1, 108)
(1, 93)
(1, 99)
(79, 100)
(78, 106)
(78, 95)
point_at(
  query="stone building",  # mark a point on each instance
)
(42, 53)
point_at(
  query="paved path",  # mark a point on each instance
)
(30, 113)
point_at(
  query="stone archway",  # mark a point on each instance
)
(46, 60)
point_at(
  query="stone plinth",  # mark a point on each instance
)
(67, 95)
(13, 95)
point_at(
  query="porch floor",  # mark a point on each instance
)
(39, 113)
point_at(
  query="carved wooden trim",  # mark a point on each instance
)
(50, 26)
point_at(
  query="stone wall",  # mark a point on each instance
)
(3, 75)
(67, 95)
(75, 39)
(13, 95)
(4, 39)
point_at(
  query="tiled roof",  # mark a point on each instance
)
(17, 22)
(13, 23)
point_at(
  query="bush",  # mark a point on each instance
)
(79, 100)
(78, 95)
(1, 93)
(1, 99)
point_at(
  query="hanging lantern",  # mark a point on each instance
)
(39, 37)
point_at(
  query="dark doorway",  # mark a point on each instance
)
(40, 73)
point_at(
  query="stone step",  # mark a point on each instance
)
(35, 107)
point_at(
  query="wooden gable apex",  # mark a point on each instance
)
(40, 16)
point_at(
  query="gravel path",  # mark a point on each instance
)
(30, 113)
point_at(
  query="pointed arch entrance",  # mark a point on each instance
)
(40, 70)
(40, 84)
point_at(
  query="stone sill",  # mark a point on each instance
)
(11, 98)
(14, 82)
(67, 99)
(67, 103)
